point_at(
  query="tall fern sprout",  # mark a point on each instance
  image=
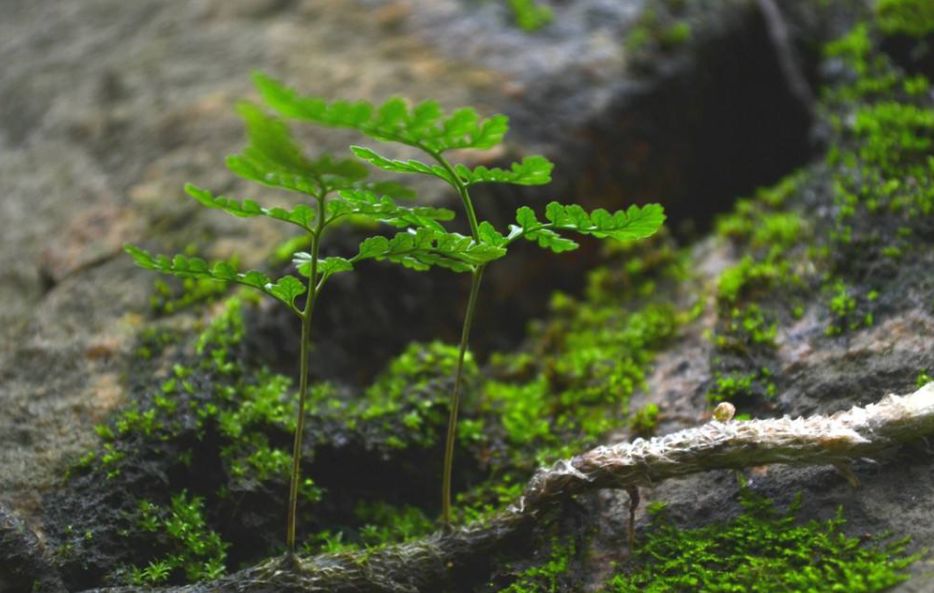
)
(331, 190)
(427, 128)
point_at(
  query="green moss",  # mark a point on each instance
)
(674, 35)
(385, 524)
(530, 15)
(644, 421)
(914, 18)
(923, 379)
(747, 277)
(659, 26)
(855, 47)
(894, 135)
(745, 326)
(762, 550)
(545, 577)
(742, 389)
(848, 313)
(190, 550)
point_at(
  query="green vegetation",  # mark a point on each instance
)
(530, 15)
(923, 379)
(742, 388)
(762, 550)
(644, 421)
(914, 18)
(426, 128)
(657, 27)
(545, 578)
(191, 547)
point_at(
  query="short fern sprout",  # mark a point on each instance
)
(427, 128)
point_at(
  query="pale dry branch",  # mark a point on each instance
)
(855, 433)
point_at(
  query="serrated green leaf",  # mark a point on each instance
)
(529, 227)
(423, 125)
(398, 166)
(274, 158)
(384, 209)
(326, 265)
(285, 289)
(633, 223)
(301, 215)
(424, 248)
(533, 170)
(489, 235)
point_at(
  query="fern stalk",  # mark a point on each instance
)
(306, 317)
(476, 279)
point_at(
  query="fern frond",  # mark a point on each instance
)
(633, 223)
(326, 265)
(424, 125)
(399, 166)
(384, 209)
(424, 248)
(533, 170)
(274, 158)
(285, 289)
(301, 215)
(528, 226)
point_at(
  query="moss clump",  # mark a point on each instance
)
(661, 26)
(189, 549)
(548, 576)
(644, 421)
(743, 389)
(762, 550)
(530, 15)
(408, 400)
(914, 18)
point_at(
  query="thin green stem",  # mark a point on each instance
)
(306, 316)
(476, 279)
(462, 192)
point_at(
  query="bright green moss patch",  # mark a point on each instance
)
(742, 388)
(762, 550)
(747, 277)
(894, 134)
(848, 310)
(644, 421)
(411, 389)
(530, 15)
(914, 18)
(923, 379)
(190, 549)
(747, 325)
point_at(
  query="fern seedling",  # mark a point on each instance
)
(334, 189)
(427, 128)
